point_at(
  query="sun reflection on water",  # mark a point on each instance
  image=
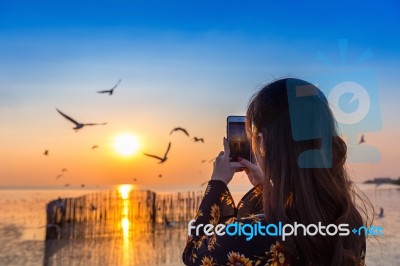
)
(126, 223)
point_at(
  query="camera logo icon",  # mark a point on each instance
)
(352, 94)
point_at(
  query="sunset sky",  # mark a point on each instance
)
(182, 63)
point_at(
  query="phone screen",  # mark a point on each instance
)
(238, 143)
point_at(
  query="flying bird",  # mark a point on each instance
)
(196, 139)
(59, 176)
(162, 160)
(203, 161)
(46, 152)
(64, 170)
(134, 180)
(362, 140)
(82, 185)
(110, 91)
(160, 175)
(77, 124)
(180, 129)
(94, 147)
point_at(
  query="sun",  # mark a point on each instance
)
(126, 144)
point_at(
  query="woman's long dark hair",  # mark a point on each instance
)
(312, 193)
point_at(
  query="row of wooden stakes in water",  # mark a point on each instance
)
(106, 209)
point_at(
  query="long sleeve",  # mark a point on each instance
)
(217, 207)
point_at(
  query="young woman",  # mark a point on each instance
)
(298, 176)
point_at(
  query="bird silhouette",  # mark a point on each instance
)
(46, 152)
(59, 176)
(196, 139)
(160, 175)
(94, 147)
(203, 161)
(362, 139)
(134, 180)
(180, 129)
(110, 91)
(162, 160)
(82, 185)
(77, 124)
(64, 170)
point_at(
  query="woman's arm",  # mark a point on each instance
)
(218, 207)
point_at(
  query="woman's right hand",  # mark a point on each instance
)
(253, 172)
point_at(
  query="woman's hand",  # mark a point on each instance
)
(223, 168)
(253, 171)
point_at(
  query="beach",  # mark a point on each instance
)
(23, 220)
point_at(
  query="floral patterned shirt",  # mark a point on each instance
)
(217, 207)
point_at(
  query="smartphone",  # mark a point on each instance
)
(237, 138)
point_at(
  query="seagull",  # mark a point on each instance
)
(110, 91)
(362, 140)
(77, 124)
(94, 147)
(196, 139)
(162, 160)
(160, 175)
(59, 176)
(179, 129)
(46, 152)
(64, 170)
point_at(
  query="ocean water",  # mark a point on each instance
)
(23, 219)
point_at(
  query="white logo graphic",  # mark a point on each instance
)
(359, 93)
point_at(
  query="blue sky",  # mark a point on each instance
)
(182, 62)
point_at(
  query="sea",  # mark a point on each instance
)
(23, 232)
